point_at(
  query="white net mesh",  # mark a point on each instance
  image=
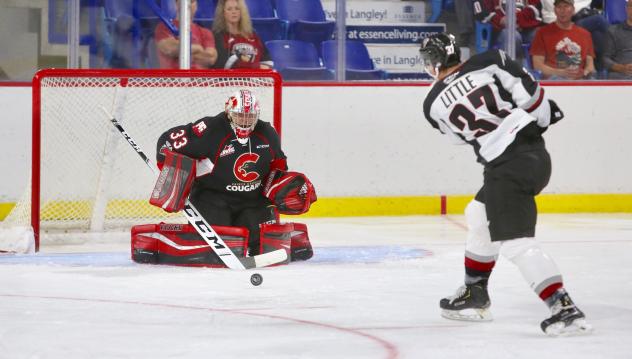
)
(91, 179)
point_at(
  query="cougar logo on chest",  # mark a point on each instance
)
(243, 166)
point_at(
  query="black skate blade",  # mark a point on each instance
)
(468, 315)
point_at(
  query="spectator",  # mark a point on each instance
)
(203, 52)
(587, 17)
(528, 19)
(465, 22)
(617, 56)
(562, 50)
(238, 46)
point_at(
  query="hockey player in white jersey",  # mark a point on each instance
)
(493, 104)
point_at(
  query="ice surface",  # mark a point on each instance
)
(371, 291)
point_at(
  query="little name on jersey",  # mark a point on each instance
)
(457, 90)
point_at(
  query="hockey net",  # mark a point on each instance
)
(85, 178)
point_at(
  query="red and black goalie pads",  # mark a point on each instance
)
(292, 237)
(174, 182)
(180, 244)
(301, 246)
(276, 236)
(291, 192)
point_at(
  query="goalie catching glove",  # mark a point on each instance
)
(291, 192)
(174, 182)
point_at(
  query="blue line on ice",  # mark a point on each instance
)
(338, 254)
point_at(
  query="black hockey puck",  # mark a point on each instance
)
(256, 279)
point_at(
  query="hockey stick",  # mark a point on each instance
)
(205, 230)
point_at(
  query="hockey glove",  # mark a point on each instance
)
(291, 192)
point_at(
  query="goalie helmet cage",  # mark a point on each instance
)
(83, 178)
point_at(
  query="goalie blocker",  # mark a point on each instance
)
(174, 182)
(179, 244)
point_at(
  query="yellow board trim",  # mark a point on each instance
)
(416, 205)
(5, 208)
(379, 206)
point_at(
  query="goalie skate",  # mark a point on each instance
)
(469, 303)
(567, 319)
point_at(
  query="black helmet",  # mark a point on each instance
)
(439, 51)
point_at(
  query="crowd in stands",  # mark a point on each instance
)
(617, 53)
(231, 44)
(564, 39)
(556, 39)
(561, 49)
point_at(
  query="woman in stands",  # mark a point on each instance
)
(238, 46)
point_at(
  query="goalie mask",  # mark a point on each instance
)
(438, 52)
(242, 109)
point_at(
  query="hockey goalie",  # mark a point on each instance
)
(232, 168)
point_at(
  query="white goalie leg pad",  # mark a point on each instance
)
(537, 268)
(17, 239)
(479, 245)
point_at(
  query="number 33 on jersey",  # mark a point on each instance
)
(225, 164)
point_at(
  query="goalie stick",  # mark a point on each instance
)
(205, 230)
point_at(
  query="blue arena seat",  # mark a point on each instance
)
(168, 8)
(114, 9)
(359, 65)
(483, 36)
(260, 8)
(144, 9)
(437, 6)
(97, 35)
(297, 60)
(264, 20)
(205, 13)
(615, 11)
(306, 20)
(133, 24)
(125, 30)
(269, 28)
(58, 22)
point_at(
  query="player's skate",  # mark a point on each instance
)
(567, 319)
(470, 302)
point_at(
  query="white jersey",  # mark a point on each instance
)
(486, 102)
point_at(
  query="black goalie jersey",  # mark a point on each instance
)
(486, 102)
(224, 164)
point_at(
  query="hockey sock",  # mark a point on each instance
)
(480, 252)
(477, 271)
(537, 268)
(554, 296)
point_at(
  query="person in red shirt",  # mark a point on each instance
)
(238, 46)
(562, 50)
(203, 52)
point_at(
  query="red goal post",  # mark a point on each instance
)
(83, 178)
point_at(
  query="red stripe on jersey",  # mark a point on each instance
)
(538, 102)
(548, 291)
(279, 164)
(246, 100)
(479, 266)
